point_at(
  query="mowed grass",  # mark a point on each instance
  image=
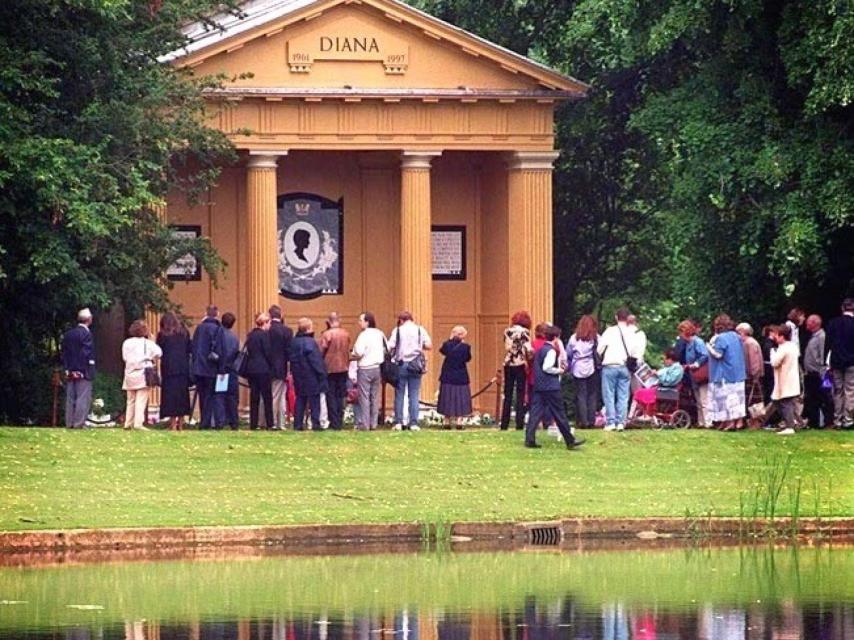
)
(57, 478)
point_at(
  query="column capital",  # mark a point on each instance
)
(264, 159)
(532, 160)
(418, 159)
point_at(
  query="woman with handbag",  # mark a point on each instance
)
(696, 363)
(140, 355)
(174, 341)
(455, 385)
(585, 364)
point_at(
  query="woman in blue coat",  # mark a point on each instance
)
(455, 389)
(309, 373)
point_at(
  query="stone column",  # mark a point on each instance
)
(416, 258)
(262, 263)
(529, 201)
(152, 317)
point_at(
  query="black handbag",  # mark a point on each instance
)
(389, 369)
(418, 365)
(152, 377)
(631, 361)
(597, 358)
(241, 361)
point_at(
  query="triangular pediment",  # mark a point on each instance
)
(381, 45)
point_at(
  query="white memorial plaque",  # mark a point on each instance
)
(449, 252)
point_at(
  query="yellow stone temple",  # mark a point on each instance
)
(388, 161)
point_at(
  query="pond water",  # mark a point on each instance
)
(708, 593)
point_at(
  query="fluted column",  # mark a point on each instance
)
(262, 264)
(529, 200)
(416, 256)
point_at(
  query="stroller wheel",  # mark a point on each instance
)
(680, 419)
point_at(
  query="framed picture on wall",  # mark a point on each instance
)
(449, 252)
(310, 240)
(187, 267)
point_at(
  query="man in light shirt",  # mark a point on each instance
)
(617, 344)
(368, 354)
(408, 342)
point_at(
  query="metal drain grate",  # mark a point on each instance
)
(544, 535)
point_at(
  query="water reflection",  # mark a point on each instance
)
(772, 596)
(534, 620)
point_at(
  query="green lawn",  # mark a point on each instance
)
(55, 478)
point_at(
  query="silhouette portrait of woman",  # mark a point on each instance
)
(302, 239)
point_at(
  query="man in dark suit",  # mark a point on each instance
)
(280, 344)
(207, 353)
(78, 360)
(231, 347)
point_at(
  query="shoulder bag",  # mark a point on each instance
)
(390, 369)
(241, 360)
(152, 377)
(597, 359)
(700, 375)
(418, 365)
(631, 361)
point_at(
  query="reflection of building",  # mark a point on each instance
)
(412, 123)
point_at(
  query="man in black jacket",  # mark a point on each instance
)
(207, 352)
(280, 346)
(840, 344)
(78, 360)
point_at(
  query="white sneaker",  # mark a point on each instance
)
(788, 431)
(621, 427)
(610, 427)
(415, 427)
(397, 427)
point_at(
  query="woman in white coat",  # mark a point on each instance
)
(139, 353)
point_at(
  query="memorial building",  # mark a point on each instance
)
(388, 161)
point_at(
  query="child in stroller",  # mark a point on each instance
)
(657, 401)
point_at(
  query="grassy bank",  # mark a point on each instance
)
(54, 478)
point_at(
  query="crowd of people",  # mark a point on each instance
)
(800, 374)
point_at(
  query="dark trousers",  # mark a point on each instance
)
(786, 407)
(232, 418)
(260, 388)
(547, 406)
(586, 400)
(515, 379)
(818, 402)
(335, 396)
(312, 403)
(211, 405)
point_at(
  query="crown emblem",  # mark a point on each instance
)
(302, 208)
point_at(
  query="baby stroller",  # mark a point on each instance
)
(662, 407)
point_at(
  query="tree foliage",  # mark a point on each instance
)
(94, 132)
(712, 166)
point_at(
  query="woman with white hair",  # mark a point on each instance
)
(455, 389)
(754, 363)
